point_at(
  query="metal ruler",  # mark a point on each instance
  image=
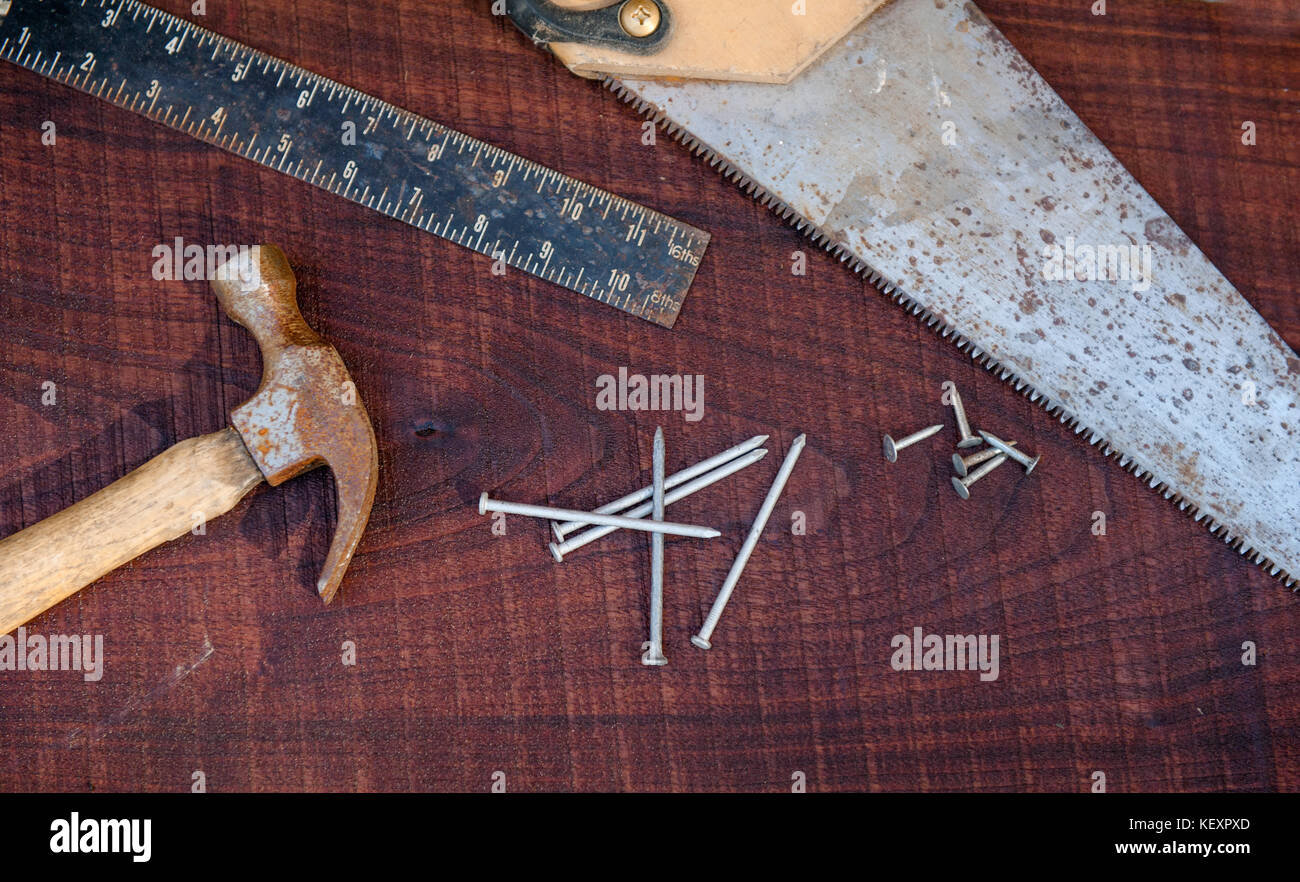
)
(359, 147)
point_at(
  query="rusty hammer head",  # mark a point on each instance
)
(306, 413)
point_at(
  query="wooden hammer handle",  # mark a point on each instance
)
(200, 478)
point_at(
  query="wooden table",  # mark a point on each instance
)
(477, 654)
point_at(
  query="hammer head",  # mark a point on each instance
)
(307, 412)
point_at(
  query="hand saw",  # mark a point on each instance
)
(912, 140)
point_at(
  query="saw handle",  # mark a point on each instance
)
(187, 485)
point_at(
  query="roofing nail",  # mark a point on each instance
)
(892, 447)
(968, 439)
(963, 464)
(1017, 455)
(962, 485)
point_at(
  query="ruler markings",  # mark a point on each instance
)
(518, 201)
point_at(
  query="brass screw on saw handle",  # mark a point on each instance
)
(639, 18)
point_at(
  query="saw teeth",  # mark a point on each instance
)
(891, 289)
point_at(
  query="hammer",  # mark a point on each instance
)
(306, 413)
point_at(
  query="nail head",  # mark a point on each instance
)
(891, 452)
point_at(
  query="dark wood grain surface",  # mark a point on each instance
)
(477, 653)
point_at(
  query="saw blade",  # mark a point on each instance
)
(925, 150)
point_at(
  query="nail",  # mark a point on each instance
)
(962, 485)
(673, 480)
(1018, 456)
(486, 504)
(586, 537)
(654, 654)
(755, 531)
(961, 465)
(892, 447)
(968, 439)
